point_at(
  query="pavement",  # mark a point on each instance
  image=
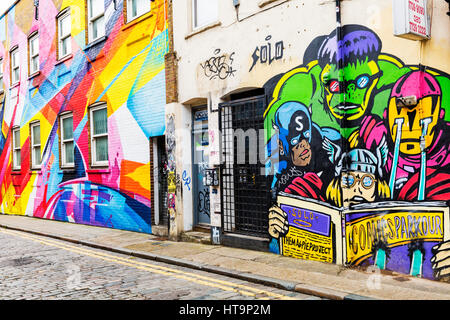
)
(324, 280)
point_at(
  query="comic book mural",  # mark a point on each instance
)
(357, 144)
(124, 71)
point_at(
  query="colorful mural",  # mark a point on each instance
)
(356, 138)
(125, 70)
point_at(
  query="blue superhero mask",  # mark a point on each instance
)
(293, 122)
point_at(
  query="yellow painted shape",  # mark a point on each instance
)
(138, 38)
(353, 139)
(390, 59)
(302, 244)
(398, 228)
(46, 128)
(11, 202)
(26, 192)
(139, 175)
(17, 204)
(77, 15)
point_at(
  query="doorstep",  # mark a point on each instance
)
(196, 236)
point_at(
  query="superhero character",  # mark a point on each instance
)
(348, 80)
(348, 92)
(298, 144)
(417, 136)
(362, 178)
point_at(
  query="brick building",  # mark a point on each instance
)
(326, 124)
(83, 99)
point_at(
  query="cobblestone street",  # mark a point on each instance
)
(33, 267)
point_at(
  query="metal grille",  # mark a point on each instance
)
(244, 186)
(162, 180)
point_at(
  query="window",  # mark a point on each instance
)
(33, 51)
(15, 66)
(67, 145)
(16, 148)
(136, 8)
(99, 135)
(35, 129)
(64, 32)
(96, 23)
(204, 12)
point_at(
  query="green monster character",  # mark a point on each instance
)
(340, 97)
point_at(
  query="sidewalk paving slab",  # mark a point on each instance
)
(323, 280)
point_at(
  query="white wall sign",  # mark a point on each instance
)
(411, 19)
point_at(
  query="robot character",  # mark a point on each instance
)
(419, 138)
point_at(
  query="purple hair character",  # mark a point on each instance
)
(357, 44)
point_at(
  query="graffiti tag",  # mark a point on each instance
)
(264, 53)
(219, 66)
(186, 180)
(203, 202)
(215, 235)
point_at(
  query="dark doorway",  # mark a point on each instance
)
(244, 186)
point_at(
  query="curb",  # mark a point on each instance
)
(272, 282)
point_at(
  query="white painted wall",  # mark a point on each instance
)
(237, 33)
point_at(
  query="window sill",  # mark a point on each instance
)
(95, 42)
(35, 171)
(64, 59)
(99, 170)
(202, 29)
(67, 170)
(263, 3)
(14, 85)
(16, 172)
(33, 75)
(137, 20)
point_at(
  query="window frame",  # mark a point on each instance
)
(130, 18)
(60, 38)
(14, 56)
(35, 166)
(91, 20)
(1, 76)
(15, 149)
(33, 37)
(63, 141)
(93, 137)
(194, 16)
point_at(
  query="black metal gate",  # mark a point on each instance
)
(162, 181)
(245, 188)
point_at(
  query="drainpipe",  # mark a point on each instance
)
(340, 67)
(340, 64)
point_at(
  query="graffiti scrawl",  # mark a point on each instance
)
(220, 66)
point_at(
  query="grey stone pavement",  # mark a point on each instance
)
(37, 268)
(287, 274)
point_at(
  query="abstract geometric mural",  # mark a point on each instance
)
(125, 70)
